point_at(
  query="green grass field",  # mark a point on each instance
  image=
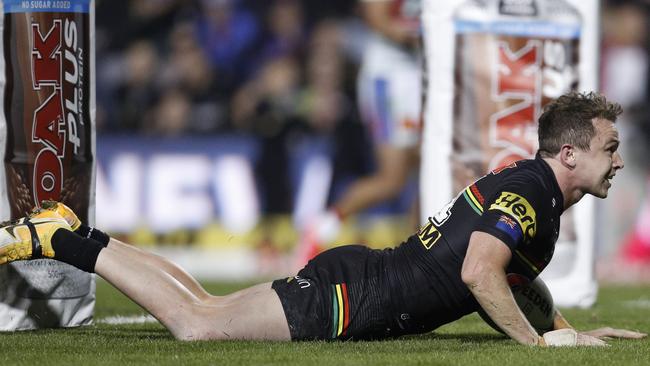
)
(466, 342)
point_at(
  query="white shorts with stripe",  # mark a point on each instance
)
(389, 94)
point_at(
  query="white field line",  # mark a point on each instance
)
(130, 319)
(638, 303)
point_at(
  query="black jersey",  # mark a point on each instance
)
(519, 204)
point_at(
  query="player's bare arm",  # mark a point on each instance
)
(484, 273)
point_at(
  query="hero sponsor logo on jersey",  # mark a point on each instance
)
(518, 208)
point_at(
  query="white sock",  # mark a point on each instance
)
(327, 227)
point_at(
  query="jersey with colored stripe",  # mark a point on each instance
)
(520, 204)
(389, 82)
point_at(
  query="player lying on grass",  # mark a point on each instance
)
(506, 222)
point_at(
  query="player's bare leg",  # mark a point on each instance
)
(252, 313)
(171, 268)
(394, 166)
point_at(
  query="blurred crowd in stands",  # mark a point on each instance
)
(276, 70)
(170, 67)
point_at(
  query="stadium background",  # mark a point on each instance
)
(223, 124)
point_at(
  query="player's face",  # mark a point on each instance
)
(599, 165)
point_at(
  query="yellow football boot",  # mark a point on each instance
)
(30, 237)
(63, 210)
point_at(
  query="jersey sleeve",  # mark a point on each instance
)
(511, 213)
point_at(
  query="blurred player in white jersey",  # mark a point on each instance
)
(389, 86)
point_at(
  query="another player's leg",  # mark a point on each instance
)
(389, 102)
(395, 164)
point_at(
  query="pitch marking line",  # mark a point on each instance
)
(131, 319)
(639, 303)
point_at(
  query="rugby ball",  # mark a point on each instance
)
(534, 300)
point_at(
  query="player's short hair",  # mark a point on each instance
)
(568, 120)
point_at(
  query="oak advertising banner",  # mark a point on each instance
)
(47, 145)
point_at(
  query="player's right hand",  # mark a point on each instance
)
(587, 340)
(609, 332)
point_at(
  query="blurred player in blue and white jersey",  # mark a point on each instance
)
(389, 95)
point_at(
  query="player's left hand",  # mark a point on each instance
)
(608, 333)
